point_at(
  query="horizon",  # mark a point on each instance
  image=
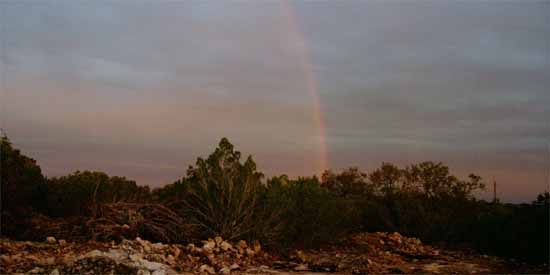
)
(141, 90)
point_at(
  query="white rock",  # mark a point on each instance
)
(51, 240)
(54, 272)
(151, 265)
(234, 266)
(37, 270)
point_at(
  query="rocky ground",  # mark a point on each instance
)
(363, 253)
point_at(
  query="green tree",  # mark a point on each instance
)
(22, 188)
(221, 193)
(386, 179)
(348, 183)
(310, 214)
(81, 193)
(436, 181)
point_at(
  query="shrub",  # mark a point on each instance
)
(22, 187)
(221, 194)
(311, 215)
(81, 193)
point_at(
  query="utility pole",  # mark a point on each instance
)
(494, 190)
(547, 179)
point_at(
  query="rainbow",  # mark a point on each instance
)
(310, 81)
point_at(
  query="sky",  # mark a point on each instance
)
(142, 88)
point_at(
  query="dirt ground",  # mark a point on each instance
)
(379, 252)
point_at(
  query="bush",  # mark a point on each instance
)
(220, 194)
(310, 214)
(22, 187)
(81, 193)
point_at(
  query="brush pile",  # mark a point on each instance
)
(114, 222)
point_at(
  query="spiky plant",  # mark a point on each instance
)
(222, 193)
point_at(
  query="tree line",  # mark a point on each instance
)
(226, 195)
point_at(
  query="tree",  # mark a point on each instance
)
(21, 177)
(22, 186)
(350, 182)
(221, 193)
(436, 181)
(543, 199)
(81, 193)
(386, 178)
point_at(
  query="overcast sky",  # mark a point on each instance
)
(142, 88)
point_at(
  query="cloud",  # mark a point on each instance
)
(137, 88)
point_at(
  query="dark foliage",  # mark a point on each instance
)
(22, 187)
(81, 193)
(221, 195)
(309, 214)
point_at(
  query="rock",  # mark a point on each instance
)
(176, 252)
(301, 267)
(257, 247)
(125, 226)
(218, 240)
(206, 268)
(150, 265)
(37, 270)
(242, 244)
(225, 246)
(171, 260)
(209, 246)
(49, 260)
(158, 246)
(301, 256)
(50, 240)
(432, 268)
(62, 242)
(145, 244)
(54, 272)
(234, 266)
(250, 252)
(225, 270)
